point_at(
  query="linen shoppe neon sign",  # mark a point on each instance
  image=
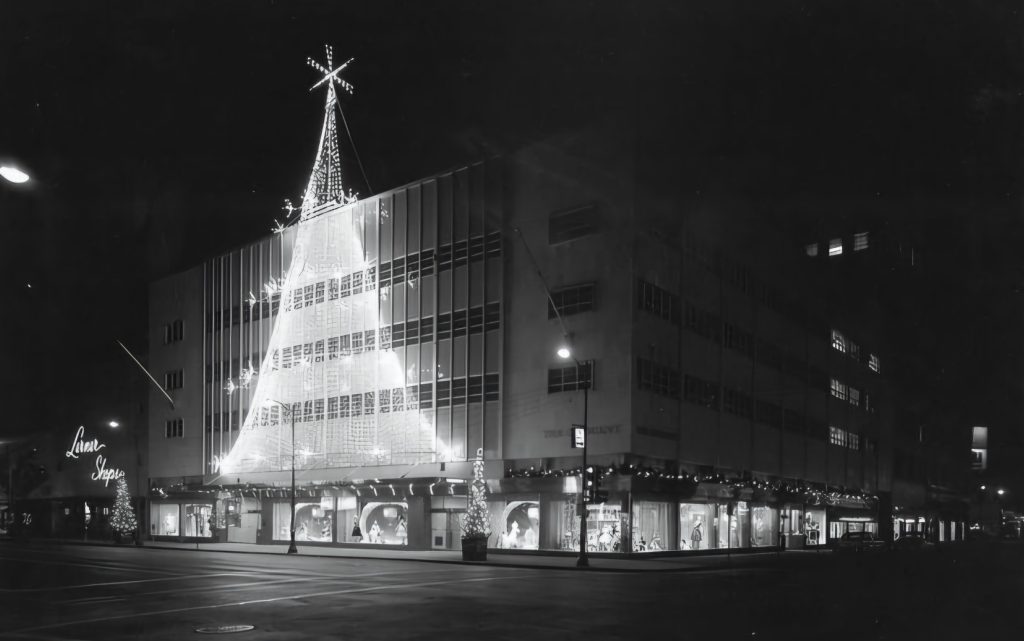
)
(81, 446)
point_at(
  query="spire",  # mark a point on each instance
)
(325, 183)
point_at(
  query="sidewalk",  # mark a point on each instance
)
(499, 559)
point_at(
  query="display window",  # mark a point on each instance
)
(651, 523)
(519, 523)
(739, 524)
(314, 521)
(698, 526)
(606, 525)
(815, 525)
(197, 521)
(163, 517)
(347, 513)
(385, 523)
(764, 526)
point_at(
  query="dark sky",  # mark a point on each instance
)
(163, 132)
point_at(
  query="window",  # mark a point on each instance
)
(567, 379)
(838, 341)
(874, 363)
(860, 241)
(812, 249)
(174, 332)
(657, 378)
(308, 295)
(700, 392)
(658, 301)
(853, 349)
(571, 224)
(843, 438)
(174, 380)
(854, 396)
(835, 247)
(174, 428)
(839, 390)
(572, 300)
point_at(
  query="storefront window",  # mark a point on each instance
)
(604, 528)
(348, 520)
(163, 517)
(565, 525)
(197, 520)
(815, 525)
(519, 523)
(385, 523)
(765, 526)
(651, 523)
(698, 525)
(314, 521)
(739, 525)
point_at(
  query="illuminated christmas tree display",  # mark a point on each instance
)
(330, 371)
(123, 519)
(478, 519)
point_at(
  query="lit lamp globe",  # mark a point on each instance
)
(13, 174)
(563, 352)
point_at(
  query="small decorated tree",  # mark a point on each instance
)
(476, 528)
(123, 521)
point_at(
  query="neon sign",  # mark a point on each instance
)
(79, 445)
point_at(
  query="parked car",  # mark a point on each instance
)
(913, 541)
(859, 542)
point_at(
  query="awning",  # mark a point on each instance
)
(341, 475)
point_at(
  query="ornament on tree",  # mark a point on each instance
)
(123, 520)
(477, 523)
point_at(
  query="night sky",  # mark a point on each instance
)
(160, 133)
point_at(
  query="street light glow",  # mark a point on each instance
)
(563, 352)
(1000, 492)
(13, 174)
(114, 424)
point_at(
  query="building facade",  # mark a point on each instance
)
(726, 406)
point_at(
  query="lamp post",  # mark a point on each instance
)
(291, 417)
(582, 561)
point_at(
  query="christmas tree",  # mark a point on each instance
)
(123, 520)
(477, 523)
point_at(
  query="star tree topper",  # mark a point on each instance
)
(325, 183)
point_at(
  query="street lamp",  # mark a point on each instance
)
(291, 416)
(582, 561)
(13, 174)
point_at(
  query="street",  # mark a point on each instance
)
(52, 591)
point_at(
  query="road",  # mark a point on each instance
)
(50, 591)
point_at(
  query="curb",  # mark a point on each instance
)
(528, 566)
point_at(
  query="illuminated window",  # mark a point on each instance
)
(874, 363)
(839, 390)
(812, 249)
(835, 247)
(860, 241)
(838, 341)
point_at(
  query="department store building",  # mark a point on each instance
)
(377, 347)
